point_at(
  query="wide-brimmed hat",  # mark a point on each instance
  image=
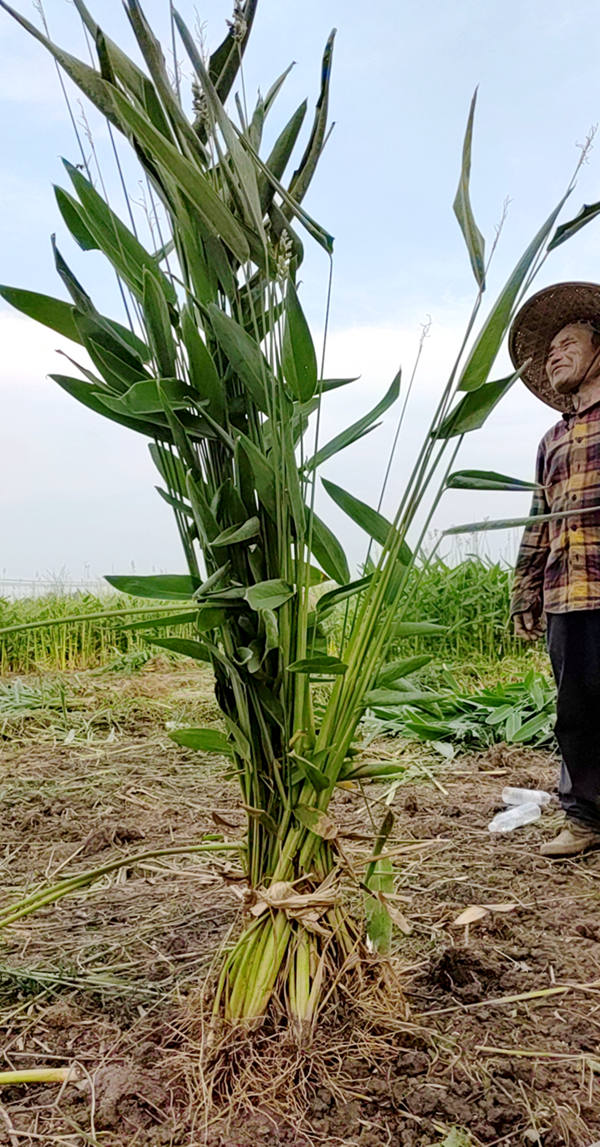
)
(536, 324)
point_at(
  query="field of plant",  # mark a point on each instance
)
(470, 599)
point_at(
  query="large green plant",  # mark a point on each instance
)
(220, 371)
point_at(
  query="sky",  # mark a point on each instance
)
(77, 492)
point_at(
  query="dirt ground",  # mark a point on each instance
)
(504, 1040)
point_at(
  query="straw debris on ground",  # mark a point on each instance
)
(503, 1036)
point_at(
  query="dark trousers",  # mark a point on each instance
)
(574, 648)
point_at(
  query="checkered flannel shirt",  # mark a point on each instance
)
(558, 566)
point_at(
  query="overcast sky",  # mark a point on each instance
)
(76, 492)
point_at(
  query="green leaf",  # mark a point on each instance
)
(358, 429)
(204, 740)
(226, 61)
(87, 79)
(402, 668)
(333, 597)
(393, 698)
(418, 629)
(117, 242)
(280, 154)
(302, 177)
(327, 550)
(588, 212)
(239, 161)
(319, 666)
(374, 523)
(262, 473)
(184, 645)
(316, 821)
(144, 397)
(299, 359)
(94, 397)
(311, 773)
(173, 619)
(319, 234)
(53, 313)
(158, 325)
(203, 373)
(508, 523)
(377, 918)
(169, 587)
(489, 340)
(234, 534)
(473, 410)
(245, 356)
(214, 213)
(462, 205)
(269, 594)
(72, 214)
(326, 384)
(486, 480)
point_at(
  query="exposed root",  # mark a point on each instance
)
(236, 1071)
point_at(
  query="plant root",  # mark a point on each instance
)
(237, 1071)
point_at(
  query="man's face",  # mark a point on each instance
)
(572, 357)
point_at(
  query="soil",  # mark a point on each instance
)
(503, 1043)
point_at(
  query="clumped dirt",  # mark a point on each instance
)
(503, 1041)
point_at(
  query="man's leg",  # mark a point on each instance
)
(574, 648)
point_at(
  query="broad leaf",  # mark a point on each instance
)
(189, 178)
(334, 597)
(298, 353)
(486, 480)
(205, 740)
(203, 373)
(197, 650)
(169, 587)
(482, 357)
(319, 666)
(374, 523)
(588, 212)
(235, 534)
(158, 325)
(87, 79)
(357, 429)
(269, 594)
(400, 669)
(114, 238)
(59, 316)
(327, 550)
(473, 410)
(462, 205)
(95, 397)
(245, 356)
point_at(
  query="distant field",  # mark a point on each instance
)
(470, 598)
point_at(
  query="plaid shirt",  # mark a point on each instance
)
(558, 566)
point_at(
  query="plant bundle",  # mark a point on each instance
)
(219, 370)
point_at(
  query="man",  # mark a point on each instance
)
(555, 339)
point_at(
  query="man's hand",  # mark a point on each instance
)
(529, 625)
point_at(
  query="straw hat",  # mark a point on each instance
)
(536, 324)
